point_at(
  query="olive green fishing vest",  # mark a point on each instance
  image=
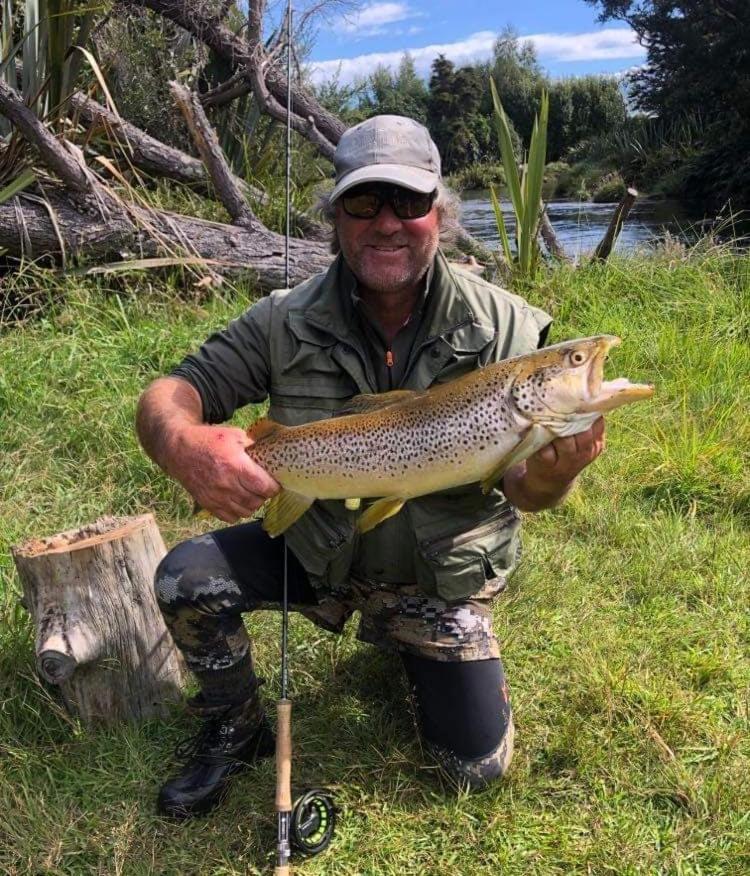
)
(456, 544)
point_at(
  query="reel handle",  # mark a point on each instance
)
(284, 756)
(283, 784)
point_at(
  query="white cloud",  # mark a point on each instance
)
(593, 46)
(373, 18)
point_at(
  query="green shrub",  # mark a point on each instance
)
(611, 188)
(477, 176)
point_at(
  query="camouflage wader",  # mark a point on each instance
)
(202, 601)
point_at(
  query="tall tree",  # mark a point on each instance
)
(402, 93)
(698, 63)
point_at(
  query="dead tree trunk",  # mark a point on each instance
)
(615, 225)
(100, 635)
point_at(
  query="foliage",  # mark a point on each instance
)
(647, 150)
(525, 190)
(518, 79)
(698, 65)
(624, 630)
(478, 176)
(41, 34)
(460, 131)
(401, 93)
(610, 189)
(141, 53)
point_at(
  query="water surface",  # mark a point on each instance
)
(580, 225)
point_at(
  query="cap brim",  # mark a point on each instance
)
(414, 178)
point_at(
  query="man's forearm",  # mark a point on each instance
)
(530, 494)
(166, 404)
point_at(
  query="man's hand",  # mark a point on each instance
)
(545, 478)
(212, 464)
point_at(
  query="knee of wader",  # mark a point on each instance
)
(478, 773)
(194, 572)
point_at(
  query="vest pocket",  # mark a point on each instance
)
(471, 564)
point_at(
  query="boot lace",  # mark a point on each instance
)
(208, 736)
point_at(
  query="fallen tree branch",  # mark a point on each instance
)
(242, 55)
(616, 222)
(158, 159)
(207, 143)
(55, 155)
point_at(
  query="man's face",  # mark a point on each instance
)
(386, 253)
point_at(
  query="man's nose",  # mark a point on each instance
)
(386, 222)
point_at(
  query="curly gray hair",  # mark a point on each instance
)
(447, 202)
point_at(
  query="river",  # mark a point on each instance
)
(580, 225)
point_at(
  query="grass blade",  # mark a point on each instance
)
(502, 230)
(22, 181)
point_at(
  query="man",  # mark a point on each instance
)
(390, 312)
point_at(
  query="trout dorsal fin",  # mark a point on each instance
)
(263, 428)
(364, 404)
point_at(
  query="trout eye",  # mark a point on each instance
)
(577, 357)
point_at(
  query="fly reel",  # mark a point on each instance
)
(312, 822)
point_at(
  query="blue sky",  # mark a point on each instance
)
(567, 36)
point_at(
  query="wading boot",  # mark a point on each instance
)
(231, 738)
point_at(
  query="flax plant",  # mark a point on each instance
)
(525, 190)
(49, 29)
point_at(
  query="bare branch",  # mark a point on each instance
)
(255, 12)
(325, 130)
(53, 152)
(615, 225)
(209, 149)
(157, 158)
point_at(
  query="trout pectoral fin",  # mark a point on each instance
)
(533, 440)
(363, 404)
(379, 511)
(283, 510)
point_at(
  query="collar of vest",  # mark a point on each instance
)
(449, 316)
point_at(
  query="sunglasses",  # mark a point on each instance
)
(366, 201)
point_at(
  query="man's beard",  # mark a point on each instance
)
(395, 277)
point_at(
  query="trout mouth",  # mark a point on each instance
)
(606, 395)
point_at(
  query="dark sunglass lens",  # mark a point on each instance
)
(363, 205)
(411, 205)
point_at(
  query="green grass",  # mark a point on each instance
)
(625, 632)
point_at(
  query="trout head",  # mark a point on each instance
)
(565, 381)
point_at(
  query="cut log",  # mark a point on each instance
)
(99, 633)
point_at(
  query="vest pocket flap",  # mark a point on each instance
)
(472, 564)
(324, 546)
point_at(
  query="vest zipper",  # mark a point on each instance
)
(389, 366)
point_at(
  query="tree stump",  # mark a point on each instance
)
(100, 635)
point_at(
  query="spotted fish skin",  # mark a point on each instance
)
(453, 434)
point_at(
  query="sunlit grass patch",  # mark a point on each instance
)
(625, 632)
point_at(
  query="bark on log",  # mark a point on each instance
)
(100, 635)
(142, 233)
(615, 225)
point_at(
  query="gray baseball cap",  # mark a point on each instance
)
(392, 149)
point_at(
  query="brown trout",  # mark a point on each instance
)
(395, 446)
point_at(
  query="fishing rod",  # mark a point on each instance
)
(307, 824)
